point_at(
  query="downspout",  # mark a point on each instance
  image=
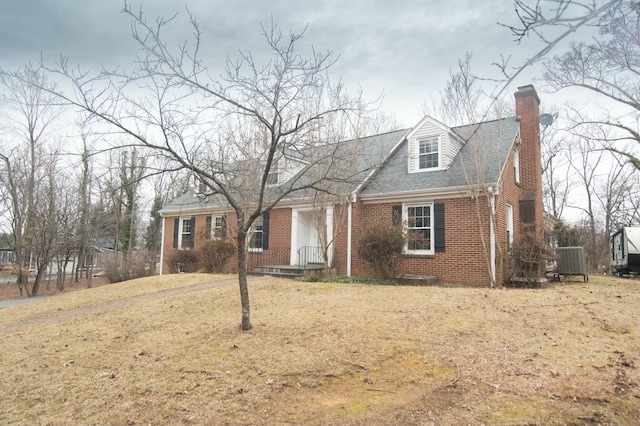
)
(161, 246)
(349, 233)
(492, 232)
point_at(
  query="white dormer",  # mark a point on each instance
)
(431, 146)
(285, 168)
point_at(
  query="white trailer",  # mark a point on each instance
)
(625, 251)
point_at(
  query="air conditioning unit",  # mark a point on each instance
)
(571, 262)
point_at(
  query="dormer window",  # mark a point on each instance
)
(431, 146)
(272, 178)
(428, 153)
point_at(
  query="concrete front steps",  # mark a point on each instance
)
(413, 279)
(288, 271)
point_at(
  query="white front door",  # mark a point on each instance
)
(306, 246)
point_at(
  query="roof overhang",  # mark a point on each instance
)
(466, 191)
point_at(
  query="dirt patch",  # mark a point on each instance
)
(329, 354)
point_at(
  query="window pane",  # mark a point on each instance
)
(256, 234)
(187, 237)
(428, 153)
(419, 239)
(419, 228)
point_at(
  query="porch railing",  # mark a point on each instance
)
(309, 255)
(306, 256)
(270, 256)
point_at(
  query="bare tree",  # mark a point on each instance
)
(608, 66)
(226, 130)
(27, 162)
(132, 170)
(166, 185)
(556, 177)
(84, 209)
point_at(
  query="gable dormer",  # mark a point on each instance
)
(285, 168)
(431, 145)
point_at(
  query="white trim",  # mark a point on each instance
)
(492, 233)
(419, 194)
(162, 246)
(428, 138)
(349, 224)
(195, 211)
(329, 223)
(405, 219)
(213, 229)
(516, 165)
(510, 225)
(294, 236)
(181, 221)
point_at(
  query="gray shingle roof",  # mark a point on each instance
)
(489, 143)
(350, 163)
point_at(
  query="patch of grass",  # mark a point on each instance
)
(357, 280)
(95, 296)
(353, 355)
(450, 285)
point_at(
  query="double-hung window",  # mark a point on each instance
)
(516, 165)
(186, 233)
(272, 177)
(509, 228)
(183, 232)
(218, 226)
(419, 220)
(428, 150)
(257, 234)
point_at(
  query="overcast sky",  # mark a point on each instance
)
(403, 49)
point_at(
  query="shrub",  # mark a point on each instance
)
(123, 267)
(181, 261)
(216, 254)
(381, 247)
(530, 259)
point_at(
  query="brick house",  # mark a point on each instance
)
(466, 194)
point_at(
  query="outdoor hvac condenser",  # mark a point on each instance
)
(625, 251)
(571, 262)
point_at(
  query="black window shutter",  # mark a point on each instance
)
(207, 232)
(396, 215)
(438, 224)
(193, 231)
(176, 229)
(223, 230)
(265, 230)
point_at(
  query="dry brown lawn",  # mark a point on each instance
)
(169, 351)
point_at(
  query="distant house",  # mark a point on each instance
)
(7, 256)
(443, 183)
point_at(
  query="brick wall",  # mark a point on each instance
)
(462, 262)
(279, 237)
(528, 108)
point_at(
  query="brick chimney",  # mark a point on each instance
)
(531, 207)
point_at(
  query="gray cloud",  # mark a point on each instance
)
(402, 48)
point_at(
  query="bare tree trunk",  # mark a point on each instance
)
(242, 279)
